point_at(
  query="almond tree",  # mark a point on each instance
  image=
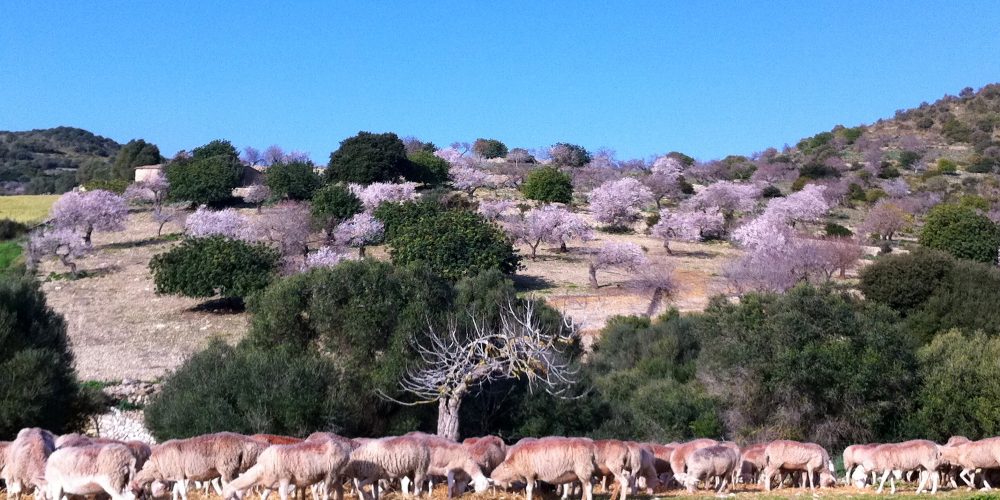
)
(494, 209)
(627, 256)
(286, 226)
(658, 279)
(729, 198)
(377, 193)
(90, 211)
(64, 243)
(257, 195)
(687, 226)
(663, 180)
(359, 231)
(619, 203)
(454, 362)
(228, 223)
(806, 205)
(885, 219)
(469, 179)
(325, 257)
(549, 224)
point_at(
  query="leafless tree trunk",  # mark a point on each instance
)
(593, 276)
(447, 425)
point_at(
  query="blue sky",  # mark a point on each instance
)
(706, 78)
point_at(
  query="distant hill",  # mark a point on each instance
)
(47, 160)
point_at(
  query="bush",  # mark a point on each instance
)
(39, 387)
(569, 155)
(489, 148)
(207, 177)
(135, 153)
(114, 185)
(945, 166)
(888, 172)
(908, 158)
(816, 170)
(367, 158)
(956, 131)
(966, 298)
(10, 229)
(835, 230)
(548, 184)
(333, 204)
(427, 168)
(962, 232)
(810, 365)
(296, 180)
(395, 216)
(206, 267)
(958, 392)
(245, 390)
(453, 243)
(904, 282)
(771, 191)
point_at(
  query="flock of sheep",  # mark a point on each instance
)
(233, 464)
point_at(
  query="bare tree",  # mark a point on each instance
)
(456, 361)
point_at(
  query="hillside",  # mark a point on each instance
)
(46, 160)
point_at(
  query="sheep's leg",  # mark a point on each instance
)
(766, 479)
(528, 488)
(451, 483)
(923, 481)
(588, 490)
(404, 482)
(881, 483)
(623, 481)
(722, 484)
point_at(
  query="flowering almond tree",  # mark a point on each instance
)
(228, 223)
(89, 211)
(549, 224)
(619, 203)
(64, 243)
(359, 231)
(627, 256)
(377, 193)
(687, 226)
(256, 195)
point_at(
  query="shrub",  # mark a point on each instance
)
(811, 365)
(835, 230)
(295, 180)
(245, 390)
(206, 267)
(427, 168)
(453, 243)
(117, 186)
(332, 204)
(135, 153)
(367, 158)
(39, 386)
(888, 172)
(489, 148)
(10, 229)
(958, 392)
(961, 232)
(208, 177)
(925, 123)
(817, 170)
(548, 184)
(966, 298)
(956, 131)
(908, 158)
(904, 282)
(771, 192)
(569, 155)
(395, 216)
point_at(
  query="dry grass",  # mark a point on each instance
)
(118, 326)
(26, 208)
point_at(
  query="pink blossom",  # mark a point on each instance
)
(325, 257)
(687, 226)
(494, 209)
(286, 226)
(469, 179)
(549, 224)
(764, 231)
(885, 219)
(726, 196)
(806, 205)
(377, 193)
(664, 179)
(896, 188)
(228, 223)
(779, 267)
(90, 211)
(64, 243)
(257, 195)
(153, 190)
(619, 203)
(359, 231)
(627, 256)
(668, 165)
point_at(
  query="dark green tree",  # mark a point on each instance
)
(548, 184)
(966, 298)
(333, 204)
(427, 168)
(367, 158)
(295, 181)
(208, 176)
(39, 387)
(569, 155)
(454, 243)
(135, 153)
(962, 232)
(206, 267)
(489, 148)
(904, 282)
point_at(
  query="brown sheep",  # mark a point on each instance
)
(554, 460)
(752, 463)
(809, 458)
(91, 470)
(661, 461)
(26, 456)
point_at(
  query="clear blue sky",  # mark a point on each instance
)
(706, 78)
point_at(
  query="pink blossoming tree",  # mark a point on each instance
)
(626, 256)
(359, 231)
(619, 203)
(89, 211)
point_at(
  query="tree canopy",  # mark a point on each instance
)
(208, 176)
(135, 153)
(367, 157)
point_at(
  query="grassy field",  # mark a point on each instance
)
(9, 252)
(27, 208)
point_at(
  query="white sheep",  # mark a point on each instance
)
(712, 462)
(854, 457)
(554, 460)
(679, 456)
(202, 458)
(26, 456)
(91, 470)
(389, 458)
(896, 458)
(302, 464)
(982, 454)
(809, 458)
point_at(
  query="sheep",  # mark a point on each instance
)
(201, 458)
(140, 450)
(752, 463)
(389, 458)
(487, 451)
(642, 465)
(717, 461)
(895, 458)
(273, 439)
(795, 456)
(982, 454)
(26, 456)
(661, 460)
(612, 459)
(449, 458)
(300, 464)
(681, 452)
(91, 470)
(555, 460)
(854, 457)
(4, 445)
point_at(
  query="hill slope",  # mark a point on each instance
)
(46, 161)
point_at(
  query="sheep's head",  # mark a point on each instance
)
(826, 480)
(502, 476)
(682, 478)
(480, 483)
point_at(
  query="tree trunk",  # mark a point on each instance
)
(593, 276)
(448, 417)
(654, 303)
(666, 246)
(361, 251)
(68, 263)
(562, 246)
(86, 236)
(534, 249)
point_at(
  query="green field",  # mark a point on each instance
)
(26, 208)
(9, 252)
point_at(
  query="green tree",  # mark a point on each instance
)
(904, 282)
(333, 204)
(94, 169)
(206, 267)
(966, 298)
(367, 158)
(245, 390)
(569, 155)
(295, 180)
(962, 232)
(135, 153)
(958, 393)
(208, 176)
(489, 148)
(548, 184)
(454, 243)
(810, 365)
(427, 168)
(39, 387)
